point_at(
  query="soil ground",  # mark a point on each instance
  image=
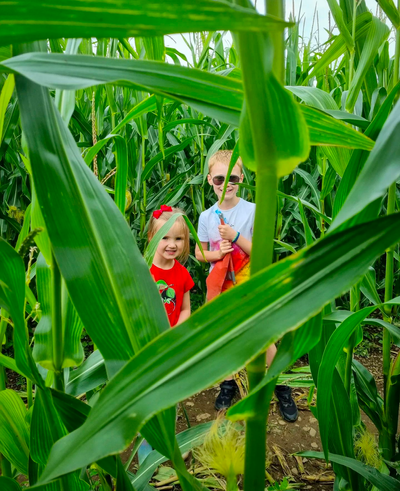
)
(283, 439)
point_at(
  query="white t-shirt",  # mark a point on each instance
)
(240, 218)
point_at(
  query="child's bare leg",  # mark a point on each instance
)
(271, 351)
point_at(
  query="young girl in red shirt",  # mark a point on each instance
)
(173, 279)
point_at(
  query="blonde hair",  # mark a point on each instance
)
(223, 157)
(165, 216)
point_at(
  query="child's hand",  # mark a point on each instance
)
(226, 232)
(225, 246)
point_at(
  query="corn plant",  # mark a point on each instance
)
(119, 121)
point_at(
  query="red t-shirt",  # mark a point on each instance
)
(172, 284)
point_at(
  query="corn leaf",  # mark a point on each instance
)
(29, 21)
(380, 170)
(212, 344)
(338, 47)
(162, 156)
(14, 430)
(314, 97)
(217, 96)
(187, 440)
(8, 484)
(91, 374)
(12, 298)
(377, 34)
(113, 262)
(46, 428)
(359, 157)
(381, 481)
(25, 227)
(5, 96)
(122, 279)
(145, 106)
(293, 346)
(337, 15)
(71, 324)
(337, 342)
(391, 11)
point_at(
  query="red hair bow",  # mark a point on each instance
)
(158, 213)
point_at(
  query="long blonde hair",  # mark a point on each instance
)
(165, 216)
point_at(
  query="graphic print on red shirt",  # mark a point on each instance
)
(172, 284)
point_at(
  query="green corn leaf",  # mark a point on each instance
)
(341, 429)
(391, 11)
(325, 130)
(14, 430)
(286, 246)
(232, 163)
(377, 34)
(271, 121)
(121, 158)
(293, 346)
(349, 118)
(338, 47)
(328, 182)
(334, 348)
(10, 363)
(71, 324)
(380, 170)
(161, 156)
(381, 481)
(359, 157)
(307, 229)
(122, 280)
(190, 121)
(27, 21)
(145, 106)
(319, 99)
(186, 359)
(46, 428)
(314, 97)
(42, 240)
(341, 315)
(8, 484)
(368, 286)
(368, 396)
(25, 227)
(91, 374)
(187, 440)
(73, 414)
(308, 178)
(121, 179)
(121, 277)
(65, 99)
(337, 15)
(12, 298)
(214, 95)
(5, 96)
(305, 203)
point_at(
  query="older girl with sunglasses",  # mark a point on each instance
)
(225, 231)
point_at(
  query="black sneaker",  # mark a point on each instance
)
(287, 406)
(227, 393)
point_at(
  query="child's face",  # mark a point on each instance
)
(172, 244)
(216, 179)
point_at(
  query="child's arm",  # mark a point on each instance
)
(185, 309)
(226, 232)
(224, 247)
